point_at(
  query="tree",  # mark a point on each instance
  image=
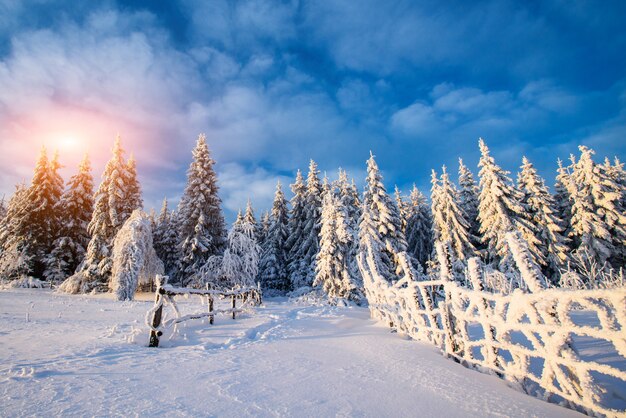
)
(598, 224)
(403, 208)
(563, 192)
(500, 211)
(450, 225)
(165, 239)
(348, 196)
(15, 260)
(264, 228)
(202, 228)
(132, 189)
(333, 270)
(111, 210)
(541, 211)
(419, 234)
(296, 225)
(77, 207)
(238, 266)
(303, 272)
(273, 269)
(134, 259)
(468, 202)
(251, 219)
(380, 226)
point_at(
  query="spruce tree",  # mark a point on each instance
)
(111, 210)
(333, 271)
(450, 225)
(202, 228)
(499, 211)
(296, 224)
(76, 205)
(541, 211)
(419, 233)
(468, 202)
(304, 255)
(251, 219)
(348, 196)
(165, 239)
(132, 188)
(15, 259)
(380, 226)
(563, 197)
(403, 208)
(598, 224)
(273, 273)
(264, 228)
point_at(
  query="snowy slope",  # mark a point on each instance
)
(76, 355)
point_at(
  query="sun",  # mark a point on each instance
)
(67, 143)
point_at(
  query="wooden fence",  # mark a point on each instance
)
(164, 296)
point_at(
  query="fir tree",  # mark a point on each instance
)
(499, 211)
(296, 224)
(348, 196)
(380, 226)
(77, 207)
(251, 219)
(419, 234)
(563, 197)
(273, 272)
(468, 202)
(132, 189)
(202, 229)
(403, 208)
(110, 212)
(598, 225)
(333, 270)
(264, 228)
(165, 239)
(303, 256)
(540, 210)
(450, 225)
(15, 260)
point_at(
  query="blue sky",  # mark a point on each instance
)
(275, 83)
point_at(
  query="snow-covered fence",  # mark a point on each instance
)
(549, 343)
(164, 296)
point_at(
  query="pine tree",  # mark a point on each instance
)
(296, 224)
(251, 219)
(468, 202)
(264, 228)
(563, 197)
(273, 272)
(132, 189)
(348, 196)
(202, 229)
(419, 227)
(598, 225)
(304, 255)
(450, 225)
(499, 211)
(77, 207)
(110, 212)
(15, 260)
(333, 270)
(403, 208)
(380, 226)
(540, 210)
(165, 239)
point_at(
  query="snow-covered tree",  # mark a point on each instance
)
(165, 239)
(111, 210)
(403, 208)
(598, 225)
(540, 210)
(500, 211)
(563, 194)
(468, 202)
(273, 269)
(238, 266)
(132, 188)
(134, 259)
(264, 228)
(76, 206)
(303, 256)
(450, 225)
(333, 271)
(15, 260)
(348, 196)
(251, 219)
(296, 224)
(202, 228)
(419, 233)
(380, 225)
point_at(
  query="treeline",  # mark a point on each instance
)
(575, 236)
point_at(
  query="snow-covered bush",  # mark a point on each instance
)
(25, 282)
(134, 259)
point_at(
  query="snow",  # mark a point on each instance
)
(86, 355)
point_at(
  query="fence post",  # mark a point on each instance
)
(156, 319)
(234, 304)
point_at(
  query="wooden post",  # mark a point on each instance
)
(156, 320)
(234, 305)
(211, 309)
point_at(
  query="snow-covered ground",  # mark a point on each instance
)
(64, 355)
